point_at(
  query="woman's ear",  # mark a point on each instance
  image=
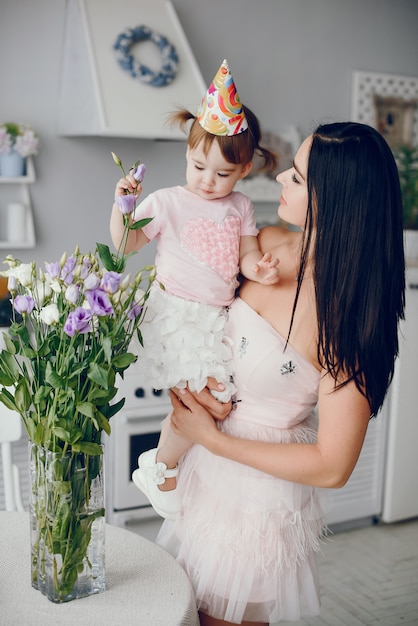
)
(246, 169)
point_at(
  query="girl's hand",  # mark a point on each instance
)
(190, 419)
(267, 270)
(128, 184)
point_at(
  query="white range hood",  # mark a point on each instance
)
(97, 96)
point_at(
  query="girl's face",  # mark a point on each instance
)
(294, 197)
(209, 175)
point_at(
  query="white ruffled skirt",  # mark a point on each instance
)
(185, 343)
(247, 540)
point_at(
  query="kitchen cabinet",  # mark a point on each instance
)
(16, 215)
(400, 495)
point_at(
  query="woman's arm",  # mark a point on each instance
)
(136, 238)
(343, 419)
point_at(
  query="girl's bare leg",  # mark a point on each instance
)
(170, 448)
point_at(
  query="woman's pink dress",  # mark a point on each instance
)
(248, 540)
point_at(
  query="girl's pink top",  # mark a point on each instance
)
(197, 241)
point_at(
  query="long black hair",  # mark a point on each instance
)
(354, 227)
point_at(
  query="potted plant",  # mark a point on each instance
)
(17, 142)
(407, 161)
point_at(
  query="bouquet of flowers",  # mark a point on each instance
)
(18, 137)
(72, 326)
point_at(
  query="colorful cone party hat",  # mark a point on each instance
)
(220, 111)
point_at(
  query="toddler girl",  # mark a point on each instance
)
(206, 233)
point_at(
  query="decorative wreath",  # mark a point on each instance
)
(169, 58)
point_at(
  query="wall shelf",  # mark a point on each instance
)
(97, 97)
(16, 190)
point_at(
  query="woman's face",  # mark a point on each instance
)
(294, 197)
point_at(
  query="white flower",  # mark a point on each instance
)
(72, 293)
(56, 286)
(91, 282)
(23, 273)
(41, 292)
(125, 282)
(49, 314)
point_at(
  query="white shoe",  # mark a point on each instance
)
(148, 476)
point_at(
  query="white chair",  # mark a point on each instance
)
(10, 431)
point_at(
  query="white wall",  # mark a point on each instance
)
(292, 61)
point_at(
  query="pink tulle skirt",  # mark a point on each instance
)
(247, 540)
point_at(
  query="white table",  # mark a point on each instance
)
(145, 586)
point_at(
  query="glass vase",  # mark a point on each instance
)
(67, 523)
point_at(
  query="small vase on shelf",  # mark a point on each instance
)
(12, 164)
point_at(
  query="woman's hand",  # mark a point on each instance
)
(190, 419)
(218, 410)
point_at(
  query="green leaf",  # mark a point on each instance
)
(98, 375)
(8, 399)
(41, 394)
(87, 447)
(31, 429)
(140, 223)
(103, 422)
(52, 378)
(23, 396)
(61, 433)
(39, 435)
(122, 361)
(106, 257)
(44, 349)
(9, 344)
(86, 408)
(9, 369)
(112, 409)
(107, 348)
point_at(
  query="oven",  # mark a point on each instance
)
(134, 429)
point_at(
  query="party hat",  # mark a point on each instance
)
(220, 111)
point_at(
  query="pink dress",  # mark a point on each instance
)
(248, 540)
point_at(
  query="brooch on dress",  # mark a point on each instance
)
(242, 348)
(288, 369)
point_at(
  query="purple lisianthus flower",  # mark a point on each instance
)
(78, 321)
(139, 172)
(85, 268)
(134, 311)
(67, 272)
(53, 269)
(111, 281)
(24, 304)
(126, 203)
(99, 302)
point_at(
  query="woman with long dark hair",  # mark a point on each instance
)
(324, 337)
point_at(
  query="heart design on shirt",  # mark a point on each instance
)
(215, 245)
